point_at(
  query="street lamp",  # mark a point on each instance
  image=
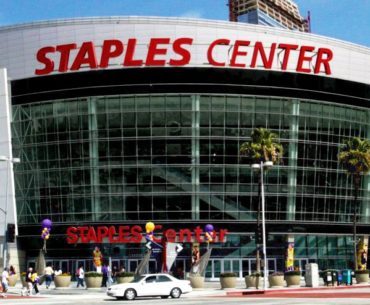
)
(260, 166)
(5, 211)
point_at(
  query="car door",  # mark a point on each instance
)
(148, 286)
(165, 284)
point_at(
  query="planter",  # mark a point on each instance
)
(93, 281)
(251, 281)
(196, 281)
(62, 281)
(293, 280)
(124, 279)
(276, 280)
(13, 280)
(362, 278)
(228, 282)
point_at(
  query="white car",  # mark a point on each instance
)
(149, 285)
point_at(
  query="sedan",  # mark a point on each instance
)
(149, 285)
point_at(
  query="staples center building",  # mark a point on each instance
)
(124, 120)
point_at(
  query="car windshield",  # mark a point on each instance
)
(137, 279)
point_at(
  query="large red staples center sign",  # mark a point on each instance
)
(134, 234)
(178, 53)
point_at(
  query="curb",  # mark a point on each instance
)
(289, 290)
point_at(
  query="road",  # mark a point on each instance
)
(193, 298)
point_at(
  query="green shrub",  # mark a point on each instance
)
(64, 274)
(277, 273)
(291, 273)
(256, 274)
(125, 274)
(228, 274)
(366, 271)
(93, 274)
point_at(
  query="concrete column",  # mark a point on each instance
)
(362, 251)
(8, 210)
(195, 156)
(365, 202)
(293, 155)
(94, 159)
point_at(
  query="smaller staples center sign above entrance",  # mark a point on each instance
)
(134, 234)
(184, 51)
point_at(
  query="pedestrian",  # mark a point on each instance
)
(35, 281)
(104, 270)
(48, 273)
(12, 270)
(28, 282)
(58, 271)
(80, 276)
(5, 282)
(114, 274)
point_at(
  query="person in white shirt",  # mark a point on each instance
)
(48, 272)
(80, 276)
(58, 272)
(4, 282)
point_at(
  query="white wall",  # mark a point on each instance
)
(5, 150)
(19, 44)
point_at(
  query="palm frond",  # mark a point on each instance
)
(263, 146)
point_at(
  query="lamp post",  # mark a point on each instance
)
(260, 166)
(5, 211)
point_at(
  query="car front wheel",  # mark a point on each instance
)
(175, 293)
(130, 294)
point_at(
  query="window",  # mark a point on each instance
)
(150, 279)
(163, 278)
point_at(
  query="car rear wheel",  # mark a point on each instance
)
(130, 294)
(175, 293)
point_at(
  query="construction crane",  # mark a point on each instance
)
(232, 11)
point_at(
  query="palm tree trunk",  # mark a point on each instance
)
(258, 261)
(357, 186)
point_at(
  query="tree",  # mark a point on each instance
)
(354, 156)
(262, 147)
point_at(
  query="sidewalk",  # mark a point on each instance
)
(213, 289)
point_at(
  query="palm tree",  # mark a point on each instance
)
(262, 147)
(355, 159)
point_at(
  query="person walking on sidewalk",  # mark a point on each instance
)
(80, 276)
(104, 270)
(48, 272)
(4, 282)
(35, 281)
(28, 282)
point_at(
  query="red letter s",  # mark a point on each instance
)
(178, 49)
(48, 63)
(72, 238)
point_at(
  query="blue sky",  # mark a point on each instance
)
(343, 19)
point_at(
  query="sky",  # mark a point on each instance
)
(347, 20)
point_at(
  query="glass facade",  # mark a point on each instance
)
(175, 159)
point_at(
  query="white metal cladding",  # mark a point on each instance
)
(20, 43)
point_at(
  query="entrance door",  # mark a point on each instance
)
(302, 263)
(271, 263)
(246, 267)
(178, 268)
(64, 266)
(132, 265)
(216, 268)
